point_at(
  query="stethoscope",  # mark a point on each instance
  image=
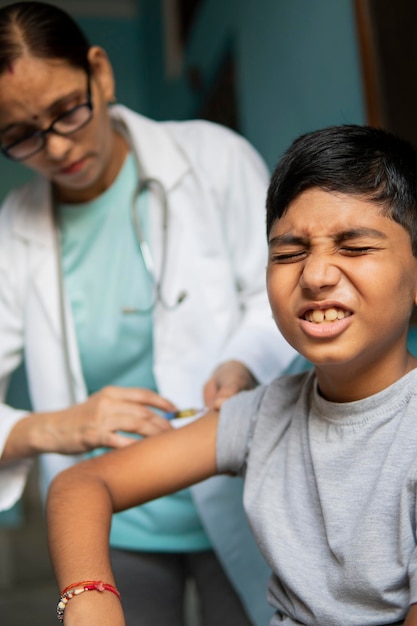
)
(148, 185)
(145, 184)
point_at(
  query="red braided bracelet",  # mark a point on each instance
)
(76, 589)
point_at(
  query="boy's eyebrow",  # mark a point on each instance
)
(288, 239)
(345, 235)
(358, 233)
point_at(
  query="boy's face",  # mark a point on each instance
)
(342, 281)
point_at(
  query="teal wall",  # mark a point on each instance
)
(297, 66)
(299, 70)
(123, 43)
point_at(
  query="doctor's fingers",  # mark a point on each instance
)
(138, 420)
(124, 419)
(224, 393)
(225, 383)
(136, 395)
(210, 391)
(215, 395)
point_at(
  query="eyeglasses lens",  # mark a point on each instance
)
(65, 124)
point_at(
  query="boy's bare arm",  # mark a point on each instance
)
(411, 619)
(82, 500)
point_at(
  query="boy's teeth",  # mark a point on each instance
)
(317, 316)
(325, 315)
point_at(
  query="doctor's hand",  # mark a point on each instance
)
(95, 423)
(227, 379)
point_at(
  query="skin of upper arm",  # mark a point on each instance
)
(170, 461)
(411, 619)
(152, 467)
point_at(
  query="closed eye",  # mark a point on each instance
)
(288, 257)
(17, 134)
(357, 250)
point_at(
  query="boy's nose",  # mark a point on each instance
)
(319, 273)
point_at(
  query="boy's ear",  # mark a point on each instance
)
(102, 72)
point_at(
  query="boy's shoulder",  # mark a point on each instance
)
(284, 390)
(293, 395)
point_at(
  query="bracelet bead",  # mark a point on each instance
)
(76, 589)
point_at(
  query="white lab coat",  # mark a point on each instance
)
(215, 185)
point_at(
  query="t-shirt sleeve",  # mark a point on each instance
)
(412, 570)
(236, 424)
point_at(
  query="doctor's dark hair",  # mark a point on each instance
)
(362, 161)
(43, 31)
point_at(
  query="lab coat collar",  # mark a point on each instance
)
(158, 154)
(32, 214)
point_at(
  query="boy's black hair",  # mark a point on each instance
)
(43, 31)
(356, 160)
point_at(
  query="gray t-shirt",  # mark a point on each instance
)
(330, 494)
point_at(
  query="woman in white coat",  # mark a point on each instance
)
(131, 271)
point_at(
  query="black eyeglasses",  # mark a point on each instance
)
(66, 124)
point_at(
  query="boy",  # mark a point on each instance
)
(330, 455)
